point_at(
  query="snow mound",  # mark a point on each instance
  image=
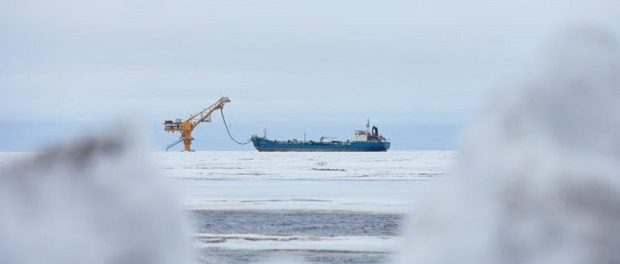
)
(538, 177)
(95, 200)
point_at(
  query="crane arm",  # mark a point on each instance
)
(205, 114)
(187, 126)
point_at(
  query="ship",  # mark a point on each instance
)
(365, 140)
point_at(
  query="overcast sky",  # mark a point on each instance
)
(416, 68)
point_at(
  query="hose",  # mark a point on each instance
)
(228, 130)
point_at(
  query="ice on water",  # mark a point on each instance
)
(376, 182)
(238, 165)
(348, 205)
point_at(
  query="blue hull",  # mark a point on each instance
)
(263, 144)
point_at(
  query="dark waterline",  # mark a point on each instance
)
(286, 223)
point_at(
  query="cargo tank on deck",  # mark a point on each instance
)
(364, 140)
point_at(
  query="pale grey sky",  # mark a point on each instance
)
(407, 64)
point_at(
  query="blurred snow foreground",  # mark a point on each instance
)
(537, 180)
(93, 201)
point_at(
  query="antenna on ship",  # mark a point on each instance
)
(367, 124)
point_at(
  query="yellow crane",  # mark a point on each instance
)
(187, 126)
